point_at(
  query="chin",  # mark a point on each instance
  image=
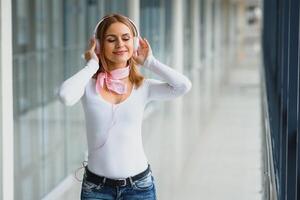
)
(121, 60)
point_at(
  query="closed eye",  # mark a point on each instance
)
(113, 40)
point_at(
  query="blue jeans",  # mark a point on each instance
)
(142, 189)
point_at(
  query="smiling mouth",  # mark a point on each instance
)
(119, 52)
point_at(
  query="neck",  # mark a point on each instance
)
(113, 66)
(119, 73)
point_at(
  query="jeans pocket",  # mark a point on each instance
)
(144, 183)
(89, 186)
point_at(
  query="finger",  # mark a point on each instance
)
(87, 55)
(134, 56)
(147, 43)
(135, 53)
(92, 44)
(149, 46)
(142, 42)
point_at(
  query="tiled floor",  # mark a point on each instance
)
(226, 163)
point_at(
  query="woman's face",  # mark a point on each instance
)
(118, 45)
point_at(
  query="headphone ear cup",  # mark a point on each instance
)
(136, 43)
(97, 49)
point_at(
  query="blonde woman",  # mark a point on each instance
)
(114, 94)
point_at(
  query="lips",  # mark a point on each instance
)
(119, 52)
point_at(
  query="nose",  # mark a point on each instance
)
(120, 42)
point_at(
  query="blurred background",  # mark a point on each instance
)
(234, 136)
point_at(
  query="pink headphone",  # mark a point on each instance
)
(135, 38)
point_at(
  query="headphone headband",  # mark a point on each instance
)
(104, 18)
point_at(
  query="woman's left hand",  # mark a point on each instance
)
(143, 51)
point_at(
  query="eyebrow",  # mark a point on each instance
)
(126, 34)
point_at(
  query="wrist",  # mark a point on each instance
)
(93, 64)
(148, 60)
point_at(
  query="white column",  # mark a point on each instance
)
(177, 20)
(196, 65)
(241, 22)
(209, 56)
(134, 11)
(195, 33)
(224, 39)
(177, 63)
(217, 54)
(7, 100)
(233, 33)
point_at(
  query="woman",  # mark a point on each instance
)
(114, 94)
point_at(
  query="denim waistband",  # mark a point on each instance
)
(96, 179)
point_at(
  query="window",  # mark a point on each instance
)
(155, 25)
(202, 29)
(0, 118)
(187, 36)
(49, 38)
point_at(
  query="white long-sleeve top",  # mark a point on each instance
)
(115, 148)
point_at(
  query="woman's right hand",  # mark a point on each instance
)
(90, 53)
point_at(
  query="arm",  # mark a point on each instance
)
(175, 85)
(72, 89)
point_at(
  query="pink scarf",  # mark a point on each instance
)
(112, 80)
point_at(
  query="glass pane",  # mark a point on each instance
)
(48, 136)
(74, 129)
(202, 28)
(152, 25)
(0, 119)
(167, 30)
(187, 36)
(117, 6)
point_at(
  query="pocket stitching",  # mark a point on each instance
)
(144, 180)
(89, 186)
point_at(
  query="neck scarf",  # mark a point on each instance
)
(112, 80)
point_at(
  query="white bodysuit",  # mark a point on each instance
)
(115, 148)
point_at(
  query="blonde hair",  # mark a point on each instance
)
(135, 77)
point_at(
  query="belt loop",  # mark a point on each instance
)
(104, 180)
(130, 180)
